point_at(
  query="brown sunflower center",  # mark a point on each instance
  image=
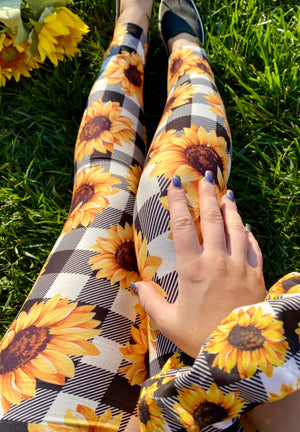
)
(207, 413)
(8, 56)
(94, 127)
(203, 158)
(134, 76)
(82, 195)
(144, 413)
(175, 66)
(125, 256)
(26, 345)
(289, 283)
(201, 65)
(246, 338)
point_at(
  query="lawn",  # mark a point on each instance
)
(254, 49)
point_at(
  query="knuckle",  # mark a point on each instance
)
(212, 216)
(192, 270)
(238, 226)
(178, 198)
(182, 223)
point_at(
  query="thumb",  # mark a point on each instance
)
(153, 303)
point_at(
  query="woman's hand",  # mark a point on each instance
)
(214, 278)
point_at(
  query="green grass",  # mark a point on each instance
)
(254, 50)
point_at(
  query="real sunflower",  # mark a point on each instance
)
(77, 28)
(250, 340)
(137, 371)
(14, 59)
(39, 344)
(127, 70)
(116, 260)
(90, 194)
(133, 177)
(102, 127)
(82, 419)
(199, 408)
(150, 415)
(60, 34)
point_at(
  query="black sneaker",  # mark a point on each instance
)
(179, 16)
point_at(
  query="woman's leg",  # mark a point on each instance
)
(61, 362)
(192, 137)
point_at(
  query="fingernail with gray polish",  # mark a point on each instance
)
(134, 288)
(177, 181)
(248, 227)
(209, 176)
(230, 195)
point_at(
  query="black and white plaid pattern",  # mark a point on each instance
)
(97, 383)
(148, 206)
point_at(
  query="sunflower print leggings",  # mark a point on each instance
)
(77, 354)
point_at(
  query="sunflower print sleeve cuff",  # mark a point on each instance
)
(252, 357)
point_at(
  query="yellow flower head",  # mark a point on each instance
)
(289, 284)
(181, 63)
(102, 127)
(38, 346)
(127, 69)
(60, 34)
(150, 415)
(91, 189)
(189, 156)
(14, 59)
(198, 408)
(249, 340)
(116, 260)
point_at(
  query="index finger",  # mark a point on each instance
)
(211, 220)
(185, 236)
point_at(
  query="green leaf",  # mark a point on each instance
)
(22, 33)
(38, 6)
(34, 42)
(10, 13)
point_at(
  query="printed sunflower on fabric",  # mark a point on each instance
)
(32, 31)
